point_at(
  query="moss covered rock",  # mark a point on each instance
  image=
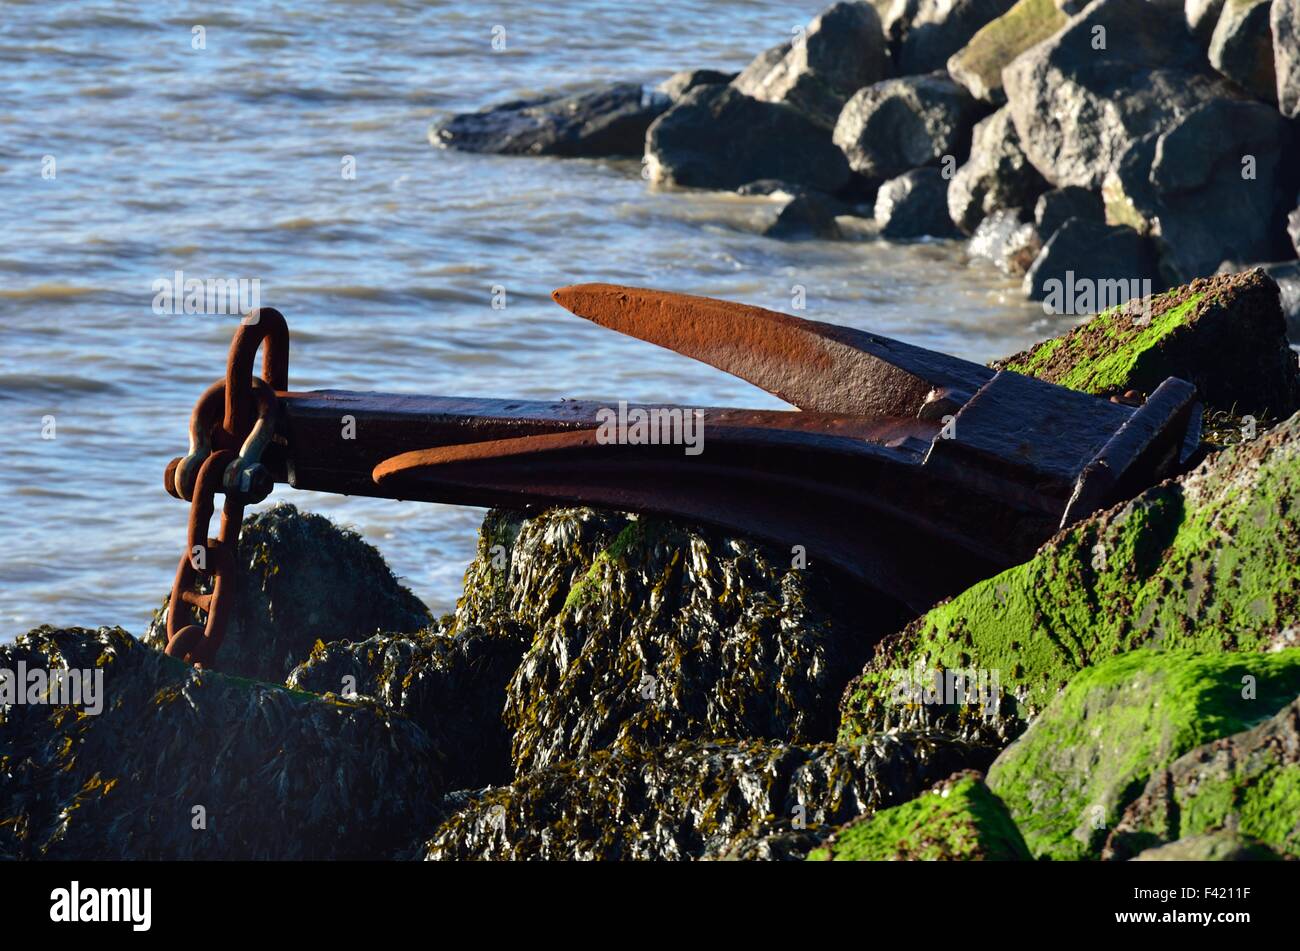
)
(957, 819)
(694, 800)
(300, 579)
(1220, 846)
(1247, 784)
(978, 66)
(1081, 763)
(178, 763)
(1225, 334)
(648, 631)
(1207, 562)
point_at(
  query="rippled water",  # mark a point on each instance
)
(226, 162)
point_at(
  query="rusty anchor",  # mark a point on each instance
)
(914, 472)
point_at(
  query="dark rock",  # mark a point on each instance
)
(940, 28)
(1241, 47)
(901, 124)
(301, 579)
(915, 205)
(1008, 242)
(1202, 17)
(842, 50)
(997, 177)
(607, 121)
(688, 801)
(717, 137)
(1078, 108)
(679, 84)
(895, 17)
(1059, 204)
(453, 685)
(1293, 229)
(807, 215)
(1247, 783)
(1220, 846)
(183, 764)
(1287, 276)
(1285, 21)
(978, 65)
(1088, 252)
(1229, 156)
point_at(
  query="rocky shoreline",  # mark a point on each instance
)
(614, 686)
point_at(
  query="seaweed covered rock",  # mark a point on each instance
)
(169, 762)
(1225, 334)
(997, 177)
(717, 137)
(1084, 760)
(840, 51)
(1206, 562)
(1247, 784)
(650, 631)
(299, 579)
(610, 120)
(958, 819)
(939, 28)
(978, 65)
(690, 801)
(451, 684)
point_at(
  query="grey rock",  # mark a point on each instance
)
(1241, 47)
(1293, 229)
(611, 120)
(717, 137)
(896, 16)
(1011, 244)
(842, 50)
(301, 579)
(1285, 22)
(1078, 109)
(915, 205)
(807, 215)
(996, 177)
(1218, 846)
(1202, 16)
(1059, 204)
(1287, 276)
(940, 28)
(1092, 252)
(679, 84)
(901, 124)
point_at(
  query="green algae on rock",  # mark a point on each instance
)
(299, 579)
(957, 819)
(1208, 562)
(453, 685)
(649, 631)
(693, 800)
(978, 66)
(1247, 784)
(1225, 334)
(1081, 763)
(1222, 846)
(189, 764)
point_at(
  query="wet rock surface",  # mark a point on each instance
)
(1008, 242)
(611, 120)
(690, 801)
(915, 205)
(958, 819)
(301, 579)
(186, 764)
(1206, 562)
(1246, 786)
(1083, 761)
(808, 215)
(998, 176)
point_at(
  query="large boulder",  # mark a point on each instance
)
(1247, 784)
(679, 84)
(958, 819)
(978, 65)
(1084, 760)
(717, 137)
(1116, 72)
(1233, 157)
(997, 176)
(611, 120)
(299, 579)
(808, 215)
(1285, 21)
(842, 50)
(915, 205)
(1241, 47)
(939, 28)
(179, 764)
(690, 801)
(1054, 208)
(1087, 254)
(901, 124)
(1206, 562)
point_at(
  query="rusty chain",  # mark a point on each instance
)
(224, 457)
